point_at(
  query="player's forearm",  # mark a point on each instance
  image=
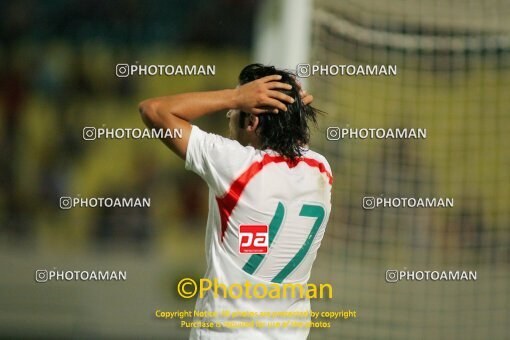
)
(189, 106)
(174, 112)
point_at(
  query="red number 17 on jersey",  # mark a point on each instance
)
(253, 239)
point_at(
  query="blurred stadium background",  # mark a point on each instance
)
(58, 76)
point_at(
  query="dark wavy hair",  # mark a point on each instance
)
(287, 131)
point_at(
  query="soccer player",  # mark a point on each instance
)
(270, 195)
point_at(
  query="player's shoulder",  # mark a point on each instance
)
(219, 146)
(213, 139)
(308, 153)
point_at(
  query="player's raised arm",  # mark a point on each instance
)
(175, 112)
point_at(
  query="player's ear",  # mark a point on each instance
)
(253, 123)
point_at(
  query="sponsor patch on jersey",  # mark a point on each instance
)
(253, 239)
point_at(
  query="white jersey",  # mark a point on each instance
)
(255, 191)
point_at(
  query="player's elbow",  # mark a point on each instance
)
(148, 111)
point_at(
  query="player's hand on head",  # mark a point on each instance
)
(306, 97)
(263, 95)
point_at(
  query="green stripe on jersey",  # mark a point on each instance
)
(308, 211)
(254, 261)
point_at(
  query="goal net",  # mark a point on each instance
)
(453, 80)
